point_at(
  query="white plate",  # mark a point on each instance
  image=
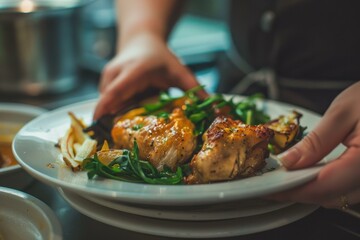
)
(34, 148)
(15, 114)
(222, 211)
(24, 217)
(188, 229)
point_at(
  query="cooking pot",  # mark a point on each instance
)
(38, 46)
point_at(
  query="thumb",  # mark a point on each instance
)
(318, 143)
(305, 153)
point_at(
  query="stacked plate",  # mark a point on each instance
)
(206, 221)
(206, 210)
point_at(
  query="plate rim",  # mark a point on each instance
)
(188, 215)
(111, 194)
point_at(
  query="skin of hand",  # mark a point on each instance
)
(340, 177)
(145, 62)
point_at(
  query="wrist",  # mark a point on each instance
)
(140, 35)
(143, 17)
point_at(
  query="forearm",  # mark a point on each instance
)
(154, 17)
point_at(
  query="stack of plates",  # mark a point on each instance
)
(209, 221)
(206, 210)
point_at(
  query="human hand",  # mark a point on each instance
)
(144, 62)
(338, 183)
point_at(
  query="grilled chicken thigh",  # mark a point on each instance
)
(161, 141)
(231, 150)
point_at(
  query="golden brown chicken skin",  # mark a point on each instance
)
(161, 141)
(231, 150)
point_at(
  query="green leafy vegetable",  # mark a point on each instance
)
(130, 168)
(203, 112)
(248, 111)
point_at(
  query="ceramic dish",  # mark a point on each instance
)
(188, 229)
(24, 217)
(12, 118)
(222, 211)
(46, 165)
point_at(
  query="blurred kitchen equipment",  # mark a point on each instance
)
(38, 45)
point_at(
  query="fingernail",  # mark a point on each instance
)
(290, 157)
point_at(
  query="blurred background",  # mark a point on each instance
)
(199, 33)
(52, 52)
(198, 38)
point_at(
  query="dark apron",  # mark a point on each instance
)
(303, 52)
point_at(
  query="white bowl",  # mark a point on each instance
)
(24, 217)
(19, 114)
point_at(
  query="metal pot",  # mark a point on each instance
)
(38, 46)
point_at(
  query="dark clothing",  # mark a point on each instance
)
(306, 40)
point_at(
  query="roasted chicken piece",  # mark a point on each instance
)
(231, 150)
(162, 141)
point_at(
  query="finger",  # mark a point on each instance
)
(109, 73)
(186, 80)
(339, 176)
(131, 81)
(105, 105)
(321, 141)
(117, 93)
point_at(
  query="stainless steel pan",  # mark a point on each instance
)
(38, 46)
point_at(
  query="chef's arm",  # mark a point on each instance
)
(143, 60)
(154, 17)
